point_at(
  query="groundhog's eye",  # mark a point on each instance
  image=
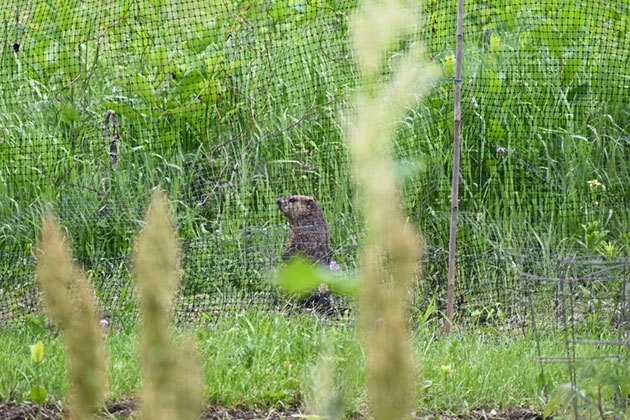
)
(292, 200)
(309, 204)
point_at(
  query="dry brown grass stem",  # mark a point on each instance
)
(71, 304)
(173, 388)
(391, 256)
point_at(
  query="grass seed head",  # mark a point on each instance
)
(392, 250)
(172, 384)
(72, 305)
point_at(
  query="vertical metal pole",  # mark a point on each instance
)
(457, 99)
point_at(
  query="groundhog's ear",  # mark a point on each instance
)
(309, 203)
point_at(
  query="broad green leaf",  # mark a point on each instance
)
(190, 84)
(69, 113)
(569, 69)
(301, 276)
(142, 86)
(38, 394)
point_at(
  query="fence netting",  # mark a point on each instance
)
(228, 105)
(585, 301)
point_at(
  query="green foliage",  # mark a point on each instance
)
(545, 93)
(301, 276)
(38, 392)
(244, 363)
(603, 393)
(227, 106)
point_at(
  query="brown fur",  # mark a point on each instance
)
(309, 230)
(309, 238)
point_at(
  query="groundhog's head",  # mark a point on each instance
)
(300, 208)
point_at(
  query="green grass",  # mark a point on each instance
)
(226, 115)
(226, 129)
(268, 359)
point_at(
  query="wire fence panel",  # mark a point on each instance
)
(229, 105)
(580, 297)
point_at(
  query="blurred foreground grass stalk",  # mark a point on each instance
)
(71, 303)
(173, 388)
(392, 250)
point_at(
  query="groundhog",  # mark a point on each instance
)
(309, 238)
(309, 231)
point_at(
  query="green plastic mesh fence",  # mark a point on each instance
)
(228, 105)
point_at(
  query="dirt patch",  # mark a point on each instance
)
(28, 410)
(125, 408)
(512, 413)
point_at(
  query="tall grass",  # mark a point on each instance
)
(172, 386)
(70, 302)
(392, 249)
(242, 104)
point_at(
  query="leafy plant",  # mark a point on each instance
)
(603, 395)
(301, 276)
(38, 392)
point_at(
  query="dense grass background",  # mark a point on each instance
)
(227, 106)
